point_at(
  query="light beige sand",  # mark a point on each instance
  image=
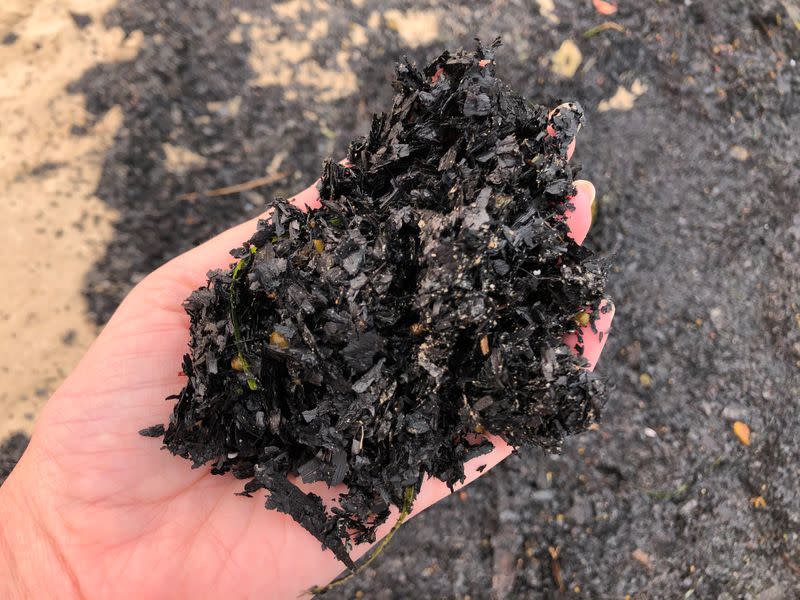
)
(278, 59)
(52, 226)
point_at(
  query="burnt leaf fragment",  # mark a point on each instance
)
(153, 431)
(366, 343)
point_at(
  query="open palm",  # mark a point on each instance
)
(106, 514)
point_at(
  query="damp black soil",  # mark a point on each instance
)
(371, 341)
(10, 451)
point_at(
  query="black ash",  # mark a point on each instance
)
(367, 342)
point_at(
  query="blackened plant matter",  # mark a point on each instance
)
(366, 343)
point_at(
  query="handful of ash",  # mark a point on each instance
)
(371, 341)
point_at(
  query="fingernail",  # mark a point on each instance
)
(579, 218)
(584, 187)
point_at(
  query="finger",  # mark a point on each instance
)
(306, 200)
(593, 337)
(552, 131)
(193, 266)
(572, 144)
(440, 70)
(579, 218)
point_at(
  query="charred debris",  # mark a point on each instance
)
(369, 343)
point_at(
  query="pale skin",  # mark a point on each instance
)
(93, 510)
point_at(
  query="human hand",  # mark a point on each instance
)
(95, 511)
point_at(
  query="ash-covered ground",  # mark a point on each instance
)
(691, 140)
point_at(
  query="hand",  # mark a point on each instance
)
(93, 510)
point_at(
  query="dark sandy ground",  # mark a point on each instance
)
(698, 202)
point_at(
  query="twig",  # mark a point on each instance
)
(603, 27)
(677, 492)
(239, 187)
(555, 568)
(792, 565)
(408, 499)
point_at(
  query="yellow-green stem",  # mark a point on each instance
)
(252, 382)
(408, 500)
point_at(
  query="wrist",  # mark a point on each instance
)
(31, 564)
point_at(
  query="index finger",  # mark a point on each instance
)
(191, 267)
